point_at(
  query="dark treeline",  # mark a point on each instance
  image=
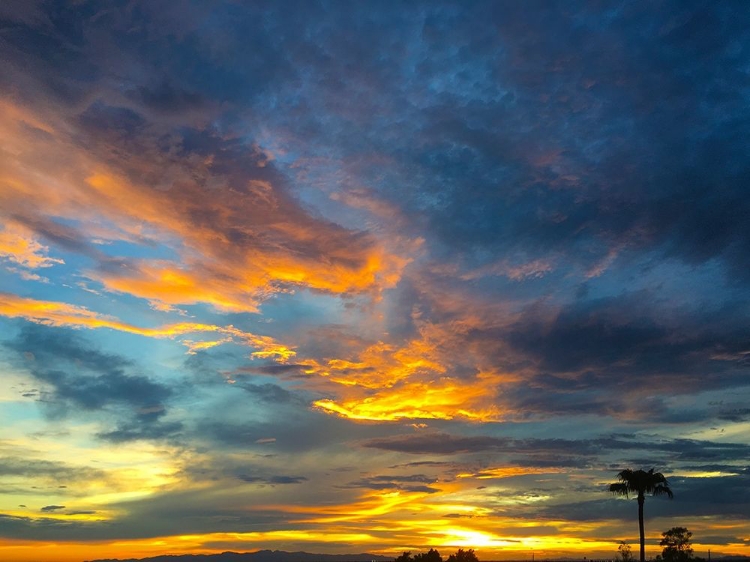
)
(433, 555)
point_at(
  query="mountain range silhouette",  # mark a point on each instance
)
(260, 556)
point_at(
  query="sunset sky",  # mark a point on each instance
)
(372, 276)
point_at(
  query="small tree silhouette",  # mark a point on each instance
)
(405, 557)
(677, 546)
(626, 553)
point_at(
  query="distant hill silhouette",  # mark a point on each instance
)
(281, 556)
(260, 556)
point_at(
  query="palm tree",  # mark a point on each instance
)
(641, 482)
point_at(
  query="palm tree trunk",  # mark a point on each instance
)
(641, 498)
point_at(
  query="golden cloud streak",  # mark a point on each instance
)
(389, 382)
(442, 399)
(507, 472)
(417, 397)
(52, 313)
(18, 246)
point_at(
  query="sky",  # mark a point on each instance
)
(372, 276)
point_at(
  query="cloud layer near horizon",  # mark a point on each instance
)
(341, 277)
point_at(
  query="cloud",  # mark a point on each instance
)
(272, 479)
(18, 247)
(286, 371)
(439, 443)
(408, 483)
(267, 393)
(97, 379)
(48, 471)
(430, 375)
(694, 497)
(77, 378)
(295, 430)
(240, 236)
(536, 452)
(52, 508)
(138, 430)
(60, 314)
(599, 355)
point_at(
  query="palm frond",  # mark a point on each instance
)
(662, 490)
(619, 489)
(641, 482)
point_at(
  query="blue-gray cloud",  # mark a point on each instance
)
(78, 377)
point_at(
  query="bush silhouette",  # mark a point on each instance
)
(430, 556)
(463, 556)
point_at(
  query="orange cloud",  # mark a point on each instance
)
(238, 236)
(515, 271)
(387, 382)
(507, 472)
(18, 246)
(442, 399)
(51, 313)
(446, 370)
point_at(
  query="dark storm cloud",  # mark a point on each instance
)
(288, 436)
(563, 452)
(736, 415)
(294, 429)
(642, 162)
(85, 38)
(290, 370)
(33, 528)
(81, 377)
(623, 355)
(170, 512)
(440, 443)
(574, 131)
(162, 516)
(267, 393)
(279, 479)
(715, 495)
(166, 97)
(725, 496)
(619, 334)
(424, 463)
(134, 431)
(407, 483)
(446, 444)
(52, 471)
(681, 450)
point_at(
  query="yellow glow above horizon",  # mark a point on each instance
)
(384, 541)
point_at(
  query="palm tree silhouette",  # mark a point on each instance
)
(641, 482)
